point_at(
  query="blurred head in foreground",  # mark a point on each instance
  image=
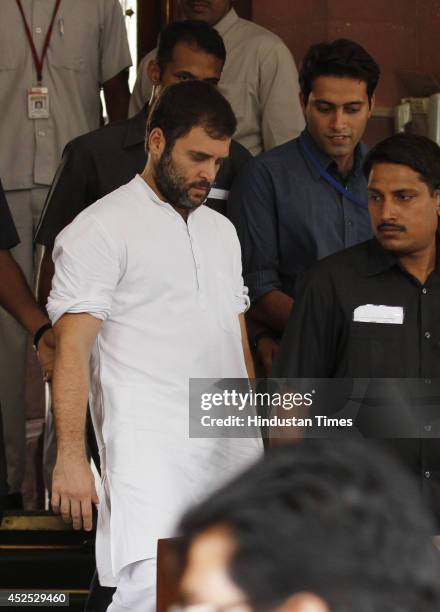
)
(316, 527)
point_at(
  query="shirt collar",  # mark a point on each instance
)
(136, 128)
(326, 161)
(150, 192)
(226, 22)
(380, 260)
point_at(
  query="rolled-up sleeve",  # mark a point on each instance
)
(251, 207)
(88, 266)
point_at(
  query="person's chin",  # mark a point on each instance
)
(199, 196)
(339, 150)
(391, 242)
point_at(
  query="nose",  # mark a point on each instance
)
(209, 170)
(387, 210)
(339, 122)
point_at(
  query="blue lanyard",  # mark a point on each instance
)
(328, 177)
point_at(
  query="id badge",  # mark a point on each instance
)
(38, 103)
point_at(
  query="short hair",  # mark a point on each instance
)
(195, 34)
(182, 106)
(417, 152)
(340, 58)
(338, 518)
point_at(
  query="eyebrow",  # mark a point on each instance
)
(401, 190)
(207, 155)
(189, 75)
(185, 73)
(322, 101)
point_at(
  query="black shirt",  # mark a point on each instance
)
(8, 234)
(324, 337)
(97, 163)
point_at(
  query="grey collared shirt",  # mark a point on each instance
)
(88, 47)
(287, 216)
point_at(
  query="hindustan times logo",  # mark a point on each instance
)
(238, 400)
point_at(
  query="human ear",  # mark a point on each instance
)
(156, 142)
(372, 104)
(153, 72)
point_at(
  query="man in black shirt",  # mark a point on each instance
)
(17, 299)
(373, 311)
(95, 164)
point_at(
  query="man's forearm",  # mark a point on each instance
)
(70, 392)
(45, 276)
(250, 367)
(117, 96)
(16, 296)
(71, 383)
(272, 310)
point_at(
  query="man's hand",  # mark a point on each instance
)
(267, 348)
(46, 354)
(73, 490)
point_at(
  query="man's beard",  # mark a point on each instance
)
(173, 185)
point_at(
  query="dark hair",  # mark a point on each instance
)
(338, 518)
(195, 34)
(340, 58)
(417, 152)
(182, 106)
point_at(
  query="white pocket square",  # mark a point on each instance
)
(372, 313)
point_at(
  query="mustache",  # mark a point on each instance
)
(394, 226)
(201, 185)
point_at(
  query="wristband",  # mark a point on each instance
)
(40, 331)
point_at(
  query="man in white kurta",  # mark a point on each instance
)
(166, 292)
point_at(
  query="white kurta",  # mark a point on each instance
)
(169, 295)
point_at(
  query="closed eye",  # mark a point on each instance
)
(323, 108)
(352, 109)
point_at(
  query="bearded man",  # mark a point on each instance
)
(147, 293)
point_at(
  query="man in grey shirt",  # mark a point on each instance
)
(259, 79)
(58, 54)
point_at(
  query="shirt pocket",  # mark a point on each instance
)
(227, 305)
(74, 43)
(377, 350)
(66, 54)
